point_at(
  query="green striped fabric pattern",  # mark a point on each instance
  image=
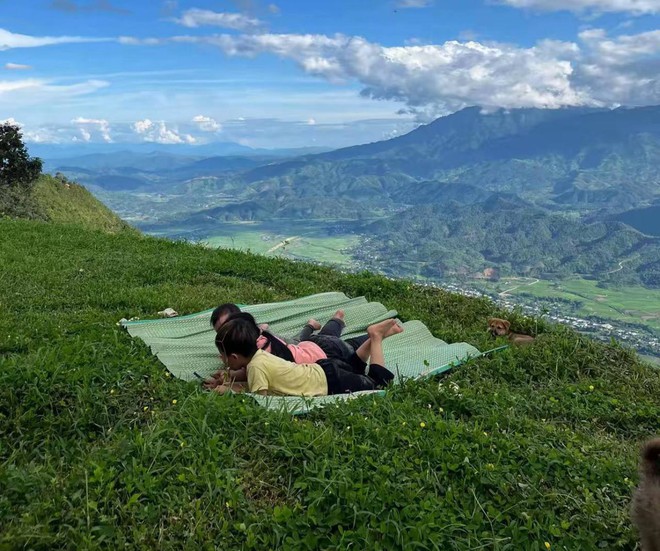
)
(186, 344)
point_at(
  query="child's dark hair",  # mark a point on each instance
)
(228, 308)
(238, 335)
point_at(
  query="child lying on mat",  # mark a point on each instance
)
(310, 347)
(270, 375)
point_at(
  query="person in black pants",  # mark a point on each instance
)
(329, 337)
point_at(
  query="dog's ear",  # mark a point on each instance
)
(506, 324)
(490, 321)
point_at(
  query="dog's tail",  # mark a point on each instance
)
(650, 465)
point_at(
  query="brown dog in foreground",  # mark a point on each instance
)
(646, 502)
(502, 328)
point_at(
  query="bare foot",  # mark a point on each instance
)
(339, 314)
(314, 324)
(380, 330)
(394, 330)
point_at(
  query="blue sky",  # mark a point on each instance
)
(291, 73)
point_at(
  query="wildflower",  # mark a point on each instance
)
(547, 545)
(348, 427)
(429, 406)
(145, 408)
(112, 391)
(182, 444)
(485, 433)
(168, 374)
(403, 424)
(422, 424)
(591, 387)
(441, 410)
(81, 270)
(266, 423)
(490, 467)
(174, 402)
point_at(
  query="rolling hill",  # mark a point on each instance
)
(512, 238)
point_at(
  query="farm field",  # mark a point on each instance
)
(633, 304)
(287, 241)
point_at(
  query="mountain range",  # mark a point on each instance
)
(584, 158)
(578, 175)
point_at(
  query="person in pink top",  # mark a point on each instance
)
(306, 348)
(302, 350)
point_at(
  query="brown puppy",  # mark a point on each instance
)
(501, 328)
(646, 502)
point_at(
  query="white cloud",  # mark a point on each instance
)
(158, 132)
(17, 67)
(40, 136)
(37, 91)
(101, 125)
(207, 124)
(9, 40)
(238, 21)
(48, 134)
(413, 3)
(142, 127)
(623, 70)
(435, 79)
(274, 9)
(132, 41)
(311, 122)
(637, 7)
(439, 78)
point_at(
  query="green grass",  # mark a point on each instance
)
(245, 240)
(99, 448)
(301, 245)
(631, 304)
(69, 203)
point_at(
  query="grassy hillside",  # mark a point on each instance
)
(100, 448)
(70, 203)
(61, 201)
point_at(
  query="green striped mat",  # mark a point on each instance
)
(186, 344)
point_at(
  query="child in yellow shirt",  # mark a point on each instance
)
(270, 375)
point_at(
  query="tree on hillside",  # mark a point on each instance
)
(17, 168)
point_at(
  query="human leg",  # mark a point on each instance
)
(356, 342)
(307, 331)
(371, 350)
(333, 347)
(377, 333)
(341, 379)
(334, 326)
